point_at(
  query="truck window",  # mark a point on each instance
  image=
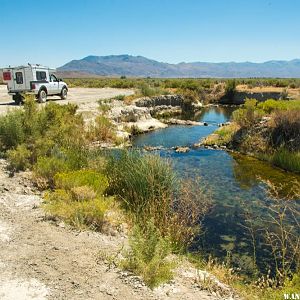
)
(41, 75)
(19, 77)
(53, 78)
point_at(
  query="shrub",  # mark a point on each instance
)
(80, 214)
(11, 129)
(19, 158)
(120, 97)
(230, 88)
(78, 199)
(148, 256)
(286, 131)
(248, 114)
(271, 105)
(47, 167)
(222, 136)
(59, 160)
(103, 130)
(95, 180)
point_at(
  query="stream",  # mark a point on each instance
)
(235, 183)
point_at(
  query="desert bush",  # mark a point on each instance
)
(190, 96)
(120, 97)
(147, 256)
(248, 115)
(286, 131)
(102, 130)
(69, 180)
(42, 130)
(78, 199)
(19, 158)
(59, 160)
(83, 214)
(222, 136)
(271, 105)
(230, 88)
(47, 167)
(11, 129)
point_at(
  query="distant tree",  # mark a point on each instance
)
(230, 88)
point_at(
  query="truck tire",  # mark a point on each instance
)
(18, 98)
(64, 93)
(42, 96)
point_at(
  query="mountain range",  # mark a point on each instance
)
(139, 66)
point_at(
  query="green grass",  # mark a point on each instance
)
(286, 160)
(221, 136)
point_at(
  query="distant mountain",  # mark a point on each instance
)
(139, 66)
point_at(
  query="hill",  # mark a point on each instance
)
(139, 66)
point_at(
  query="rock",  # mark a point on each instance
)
(183, 122)
(152, 148)
(162, 100)
(182, 149)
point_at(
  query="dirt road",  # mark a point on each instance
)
(85, 98)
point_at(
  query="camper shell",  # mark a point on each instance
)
(33, 79)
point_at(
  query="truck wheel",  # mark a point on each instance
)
(64, 93)
(18, 98)
(42, 97)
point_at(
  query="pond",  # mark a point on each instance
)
(236, 183)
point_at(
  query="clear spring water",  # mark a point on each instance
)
(235, 183)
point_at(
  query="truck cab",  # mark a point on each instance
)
(33, 79)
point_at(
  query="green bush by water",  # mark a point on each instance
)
(147, 256)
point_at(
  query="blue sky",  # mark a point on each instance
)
(54, 32)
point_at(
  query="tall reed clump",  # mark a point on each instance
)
(143, 183)
(286, 160)
(148, 188)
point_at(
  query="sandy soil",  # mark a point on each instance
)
(42, 259)
(85, 98)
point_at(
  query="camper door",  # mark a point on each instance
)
(19, 79)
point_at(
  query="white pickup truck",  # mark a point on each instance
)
(33, 79)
